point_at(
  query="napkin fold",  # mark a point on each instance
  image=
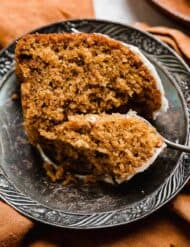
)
(163, 229)
(13, 226)
(168, 227)
(178, 40)
(20, 16)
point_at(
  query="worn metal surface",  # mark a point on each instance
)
(23, 183)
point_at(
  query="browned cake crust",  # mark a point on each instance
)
(66, 74)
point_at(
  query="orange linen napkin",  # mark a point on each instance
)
(20, 16)
(168, 227)
(163, 229)
(174, 38)
(179, 8)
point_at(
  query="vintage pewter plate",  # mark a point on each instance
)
(23, 184)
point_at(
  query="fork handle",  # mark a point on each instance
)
(177, 146)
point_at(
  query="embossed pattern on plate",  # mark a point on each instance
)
(23, 183)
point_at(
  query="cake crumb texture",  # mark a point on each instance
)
(78, 73)
(115, 145)
(72, 85)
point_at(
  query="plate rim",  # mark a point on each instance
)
(83, 214)
(171, 13)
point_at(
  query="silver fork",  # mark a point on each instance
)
(177, 146)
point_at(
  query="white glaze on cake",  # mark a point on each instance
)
(153, 72)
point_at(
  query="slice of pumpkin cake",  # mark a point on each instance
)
(111, 147)
(80, 73)
(67, 75)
